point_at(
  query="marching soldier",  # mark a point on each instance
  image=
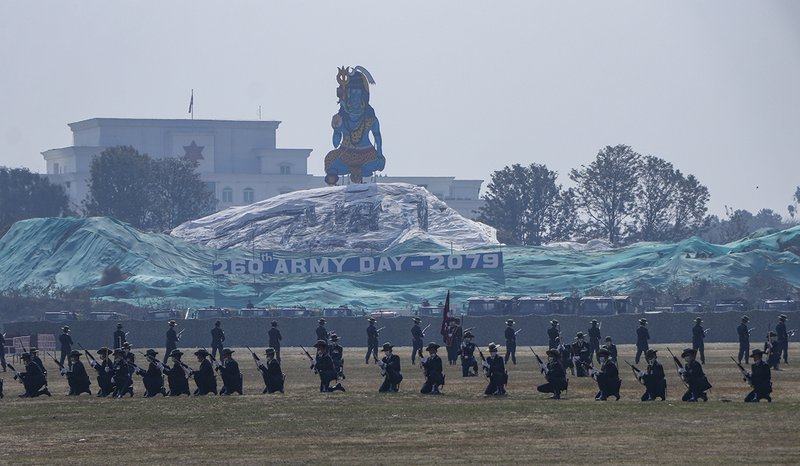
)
(372, 341)
(553, 334)
(66, 343)
(607, 377)
(698, 335)
(121, 375)
(511, 342)
(336, 352)
(760, 379)
(390, 369)
(231, 375)
(783, 338)
(177, 375)
(654, 379)
(554, 374)
(152, 378)
(217, 339)
(432, 369)
(467, 353)
(104, 368)
(692, 373)
(642, 335)
(744, 341)
(204, 376)
(416, 340)
(323, 366)
(612, 349)
(275, 338)
(77, 378)
(594, 336)
(271, 372)
(322, 332)
(33, 380)
(496, 372)
(581, 356)
(119, 337)
(172, 341)
(772, 351)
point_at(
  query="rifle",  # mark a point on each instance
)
(256, 359)
(745, 374)
(541, 363)
(213, 361)
(792, 332)
(750, 330)
(485, 369)
(60, 366)
(426, 328)
(16, 374)
(179, 334)
(309, 358)
(379, 330)
(88, 354)
(636, 371)
(678, 366)
(517, 331)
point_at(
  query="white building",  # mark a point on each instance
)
(239, 160)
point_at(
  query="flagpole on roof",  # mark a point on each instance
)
(191, 104)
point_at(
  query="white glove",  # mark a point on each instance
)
(63, 371)
(542, 367)
(681, 371)
(380, 363)
(93, 363)
(423, 360)
(259, 363)
(485, 365)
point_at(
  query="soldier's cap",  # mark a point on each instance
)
(782, 317)
(553, 352)
(334, 337)
(650, 353)
(322, 321)
(492, 347)
(151, 352)
(126, 345)
(25, 356)
(468, 334)
(697, 319)
(509, 322)
(172, 322)
(608, 338)
(65, 328)
(176, 354)
(554, 322)
(756, 352)
(603, 352)
(74, 354)
(417, 319)
(217, 323)
(594, 321)
(688, 351)
(228, 351)
(579, 335)
(33, 350)
(201, 352)
(320, 344)
(387, 347)
(274, 323)
(642, 321)
(432, 347)
(270, 350)
(119, 325)
(371, 319)
(104, 350)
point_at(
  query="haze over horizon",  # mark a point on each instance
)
(463, 88)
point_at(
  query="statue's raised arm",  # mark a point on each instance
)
(354, 152)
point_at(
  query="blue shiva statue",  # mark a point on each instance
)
(354, 153)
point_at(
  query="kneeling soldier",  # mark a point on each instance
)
(496, 372)
(432, 368)
(692, 373)
(336, 352)
(152, 378)
(77, 378)
(324, 367)
(390, 369)
(122, 375)
(204, 377)
(32, 379)
(554, 374)
(271, 372)
(608, 381)
(760, 378)
(177, 375)
(231, 375)
(654, 380)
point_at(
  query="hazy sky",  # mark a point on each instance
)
(463, 87)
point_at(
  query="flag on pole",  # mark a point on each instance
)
(191, 103)
(446, 317)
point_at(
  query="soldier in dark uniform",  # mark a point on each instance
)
(3, 351)
(275, 338)
(642, 335)
(760, 379)
(336, 352)
(783, 338)
(692, 373)
(131, 360)
(119, 337)
(372, 341)
(698, 335)
(271, 372)
(511, 342)
(121, 375)
(744, 341)
(77, 378)
(432, 368)
(456, 337)
(204, 376)
(467, 353)
(654, 379)
(177, 375)
(32, 378)
(612, 349)
(217, 339)
(416, 340)
(554, 374)
(104, 368)
(566, 355)
(581, 356)
(772, 351)
(172, 341)
(553, 334)
(390, 369)
(152, 378)
(607, 376)
(35, 358)
(231, 375)
(322, 332)
(323, 366)
(496, 372)
(594, 336)
(66, 343)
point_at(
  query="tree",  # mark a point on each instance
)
(689, 206)
(177, 193)
(119, 179)
(795, 203)
(606, 190)
(655, 198)
(28, 195)
(527, 206)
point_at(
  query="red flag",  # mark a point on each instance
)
(446, 317)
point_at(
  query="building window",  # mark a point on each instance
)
(56, 168)
(227, 195)
(248, 195)
(286, 170)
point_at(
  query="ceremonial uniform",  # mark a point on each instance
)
(607, 377)
(103, 369)
(322, 332)
(66, 344)
(594, 337)
(760, 380)
(230, 373)
(275, 338)
(33, 380)
(554, 374)
(612, 349)
(372, 342)
(496, 372)
(416, 341)
(642, 337)
(152, 378)
(783, 338)
(390, 368)
(323, 365)
(35, 358)
(217, 339)
(566, 357)
(744, 341)
(432, 368)
(336, 352)
(77, 378)
(119, 337)
(511, 343)
(468, 360)
(772, 351)
(176, 376)
(204, 376)
(698, 335)
(3, 352)
(695, 378)
(553, 335)
(121, 375)
(272, 374)
(455, 341)
(581, 356)
(172, 341)
(654, 379)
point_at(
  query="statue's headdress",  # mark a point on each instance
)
(350, 77)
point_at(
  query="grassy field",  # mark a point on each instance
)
(365, 427)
